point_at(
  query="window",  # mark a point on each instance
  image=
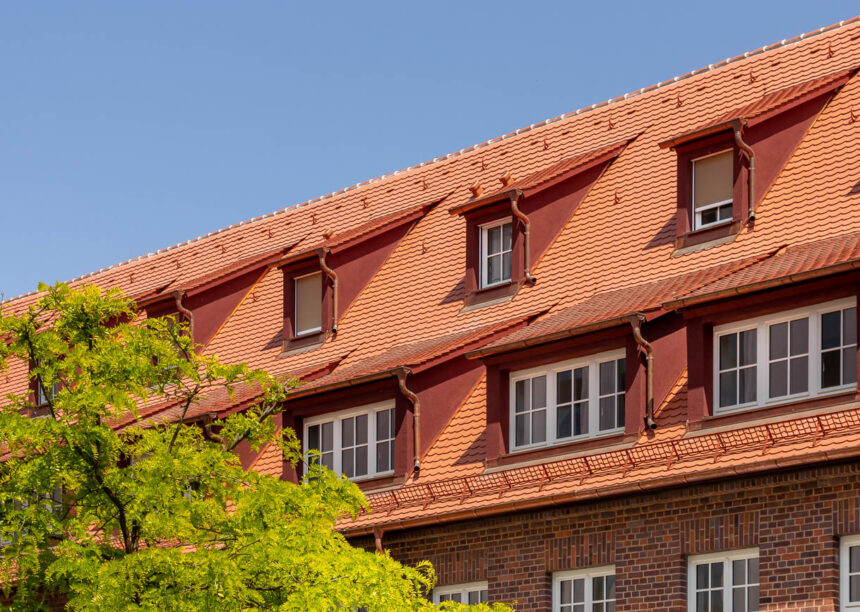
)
(44, 395)
(308, 296)
(784, 357)
(712, 189)
(356, 443)
(590, 590)
(849, 573)
(496, 246)
(567, 401)
(472, 593)
(723, 582)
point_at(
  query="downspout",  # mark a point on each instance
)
(738, 124)
(531, 280)
(636, 324)
(177, 296)
(416, 418)
(377, 537)
(331, 274)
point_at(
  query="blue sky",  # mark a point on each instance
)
(127, 127)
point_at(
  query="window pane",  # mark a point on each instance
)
(831, 332)
(314, 437)
(485, 597)
(347, 432)
(597, 607)
(580, 384)
(539, 426)
(566, 596)
(717, 574)
(308, 303)
(854, 559)
(752, 599)
(610, 586)
(752, 570)
(361, 429)
(506, 267)
(849, 326)
(327, 437)
(579, 590)
(800, 336)
(778, 379)
(538, 392)
(713, 179)
(725, 212)
(849, 365)
(562, 387)
(728, 351)
(747, 354)
(563, 421)
(522, 396)
(607, 377)
(607, 413)
(620, 408)
(361, 461)
(702, 581)
(506, 236)
(382, 454)
(728, 388)
(580, 419)
(739, 599)
(474, 597)
(702, 601)
(494, 240)
(854, 588)
(382, 424)
(709, 216)
(597, 587)
(778, 340)
(347, 462)
(522, 435)
(739, 571)
(830, 368)
(747, 388)
(622, 380)
(799, 375)
(494, 271)
(716, 601)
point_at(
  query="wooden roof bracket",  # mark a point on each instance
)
(514, 196)
(738, 126)
(333, 276)
(636, 324)
(416, 417)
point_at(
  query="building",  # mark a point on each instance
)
(608, 361)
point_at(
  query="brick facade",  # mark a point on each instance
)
(795, 518)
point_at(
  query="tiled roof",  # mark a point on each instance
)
(614, 256)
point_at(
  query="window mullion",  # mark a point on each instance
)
(551, 408)
(593, 399)
(337, 449)
(815, 352)
(371, 442)
(762, 363)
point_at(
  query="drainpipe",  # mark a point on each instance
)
(738, 124)
(331, 274)
(636, 324)
(377, 537)
(416, 411)
(531, 280)
(177, 296)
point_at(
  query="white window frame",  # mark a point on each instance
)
(459, 589)
(304, 332)
(845, 544)
(727, 558)
(697, 212)
(336, 418)
(587, 574)
(550, 371)
(484, 258)
(762, 324)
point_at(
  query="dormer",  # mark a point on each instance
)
(510, 227)
(323, 279)
(725, 167)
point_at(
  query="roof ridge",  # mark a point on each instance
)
(491, 141)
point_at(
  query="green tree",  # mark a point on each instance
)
(109, 510)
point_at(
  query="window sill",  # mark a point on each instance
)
(491, 295)
(750, 416)
(302, 344)
(374, 483)
(561, 451)
(705, 238)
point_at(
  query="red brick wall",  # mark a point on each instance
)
(794, 518)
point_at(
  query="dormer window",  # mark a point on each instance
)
(308, 306)
(712, 189)
(356, 443)
(568, 401)
(496, 249)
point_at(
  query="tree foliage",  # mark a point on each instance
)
(111, 510)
